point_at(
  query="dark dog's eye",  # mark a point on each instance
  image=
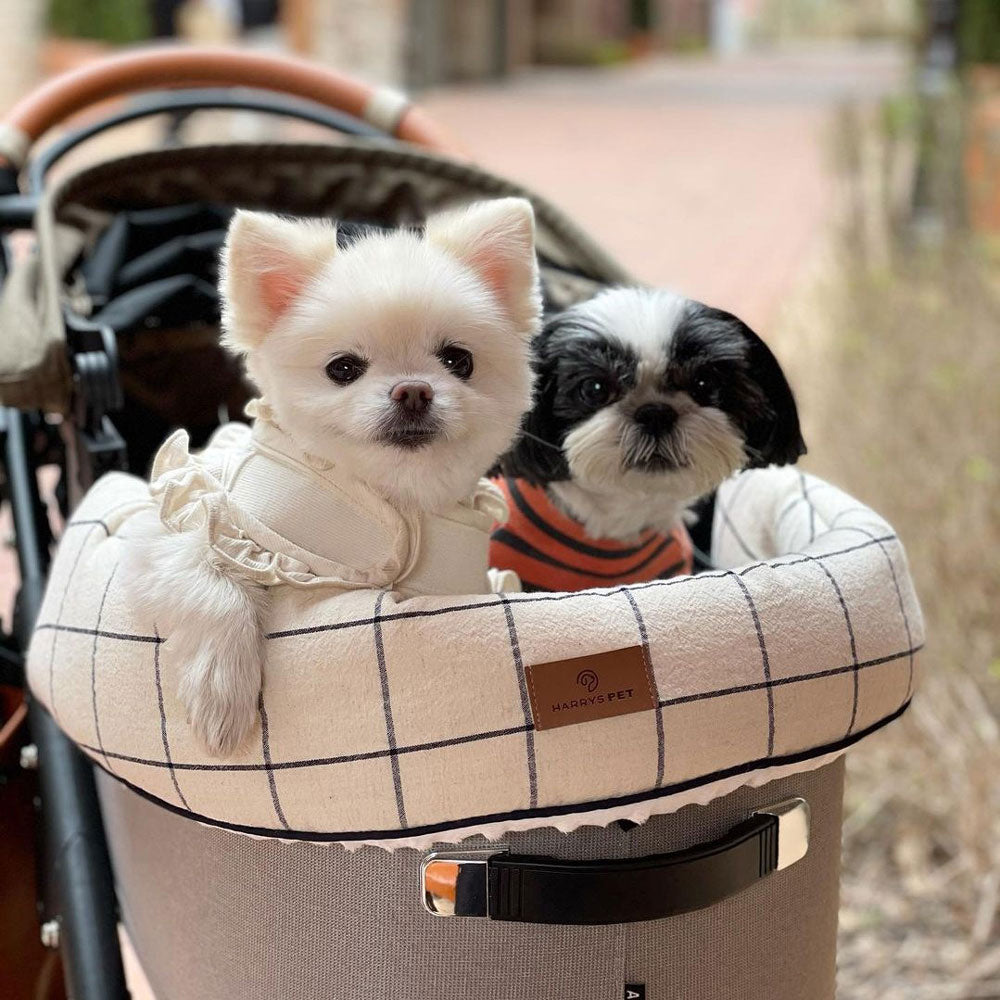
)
(702, 390)
(596, 391)
(346, 368)
(457, 360)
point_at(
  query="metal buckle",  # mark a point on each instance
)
(793, 829)
(456, 883)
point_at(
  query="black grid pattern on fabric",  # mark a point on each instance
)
(59, 613)
(510, 604)
(723, 510)
(163, 724)
(895, 583)
(93, 666)
(676, 788)
(529, 729)
(850, 634)
(397, 751)
(876, 540)
(537, 598)
(265, 745)
(390, 726)
(644, 640)
(765, 661)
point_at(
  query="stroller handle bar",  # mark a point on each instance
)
(163, 67)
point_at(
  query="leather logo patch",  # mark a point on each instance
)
(585, 688)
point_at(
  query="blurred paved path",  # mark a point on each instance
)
(712, 177)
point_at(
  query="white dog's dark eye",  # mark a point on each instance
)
(457, 360)
(595, 391)
(346, 368)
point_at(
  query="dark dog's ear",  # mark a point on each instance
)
(537, 456)
(756, 396)
(773, 436)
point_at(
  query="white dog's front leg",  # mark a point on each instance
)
(220, 685)
(213, 627)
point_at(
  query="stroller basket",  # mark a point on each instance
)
(410, 825)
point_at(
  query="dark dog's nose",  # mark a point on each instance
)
(656, 418)
(413, 397)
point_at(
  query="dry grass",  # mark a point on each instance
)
(895, 350)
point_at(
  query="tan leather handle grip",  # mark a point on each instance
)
(158, 68)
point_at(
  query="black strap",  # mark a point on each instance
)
(542, 890)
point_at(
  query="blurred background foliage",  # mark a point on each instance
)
(118, 22)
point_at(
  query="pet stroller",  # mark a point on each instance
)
(400, 833)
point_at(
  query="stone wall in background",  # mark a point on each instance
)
(366, 37)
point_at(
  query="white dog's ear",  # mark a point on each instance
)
(266, 263)
(496, 239)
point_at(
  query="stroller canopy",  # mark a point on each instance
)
(137, 236)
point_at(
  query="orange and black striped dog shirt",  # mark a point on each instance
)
(550, 551)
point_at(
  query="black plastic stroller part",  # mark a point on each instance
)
(171, 302)
(75, 877)
(194, 254)
(75, 872)
(32, 535)
(147, 244)
(17, 211)
(93, 350)
(209, 99)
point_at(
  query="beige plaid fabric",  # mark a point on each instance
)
(406, 722)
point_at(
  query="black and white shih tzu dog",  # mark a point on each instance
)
(646, 401)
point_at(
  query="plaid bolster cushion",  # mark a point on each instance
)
(405, 722)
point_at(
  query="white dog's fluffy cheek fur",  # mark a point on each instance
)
(611, 501)
(479, 419)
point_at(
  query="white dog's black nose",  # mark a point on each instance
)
(412, 397)
(656, 418)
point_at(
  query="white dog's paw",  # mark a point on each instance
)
(221, 706)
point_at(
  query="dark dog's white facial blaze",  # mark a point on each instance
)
(647, 397)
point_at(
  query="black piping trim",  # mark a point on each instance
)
(763, 763)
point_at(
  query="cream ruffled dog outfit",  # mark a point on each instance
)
(277, 515)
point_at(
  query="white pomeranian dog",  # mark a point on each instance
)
(398, 359)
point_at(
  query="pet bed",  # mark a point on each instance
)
(431, 719)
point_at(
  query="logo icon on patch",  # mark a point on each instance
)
(588, 679)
